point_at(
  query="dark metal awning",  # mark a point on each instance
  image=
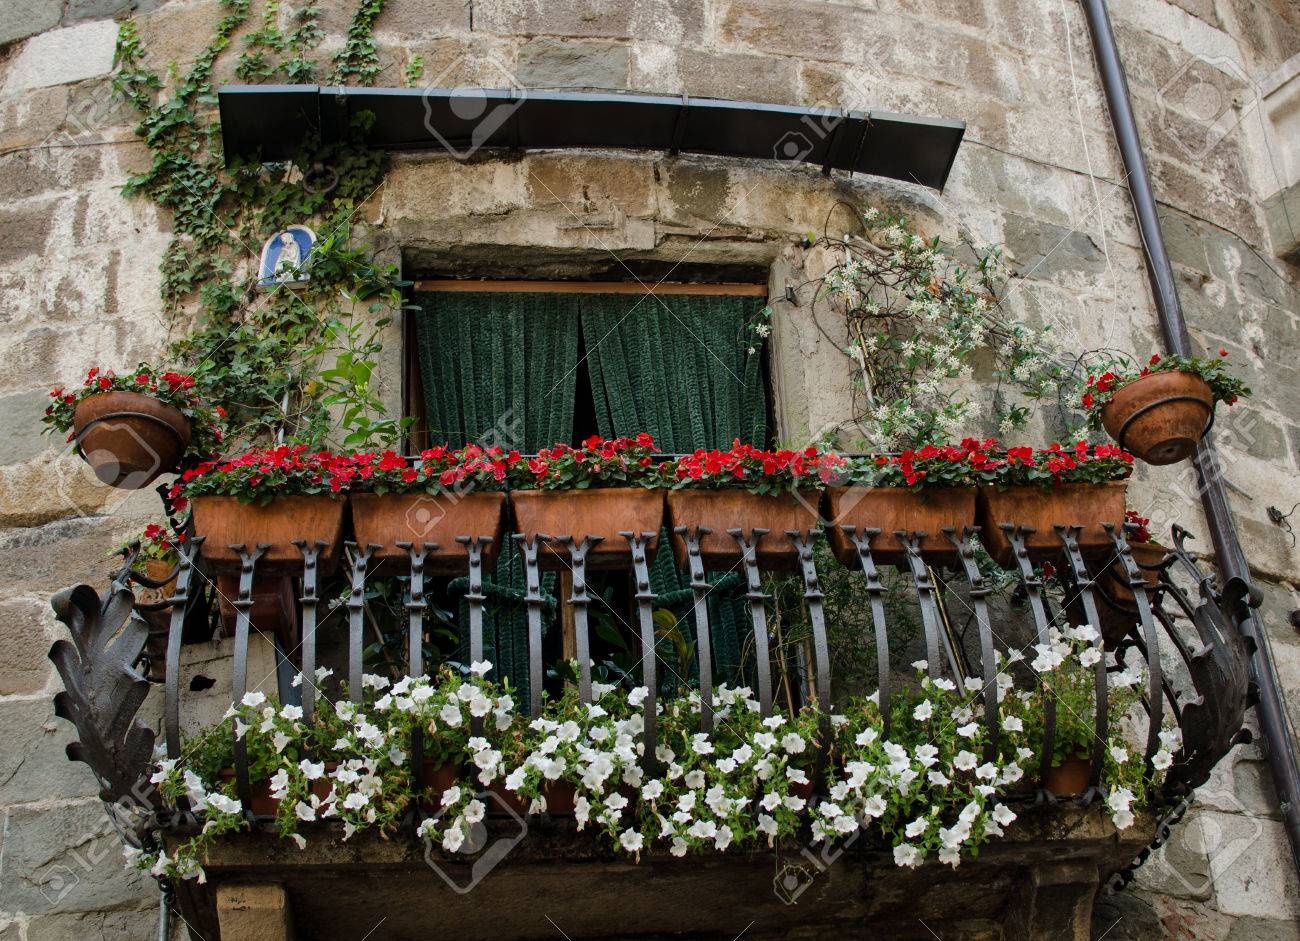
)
(270, 122)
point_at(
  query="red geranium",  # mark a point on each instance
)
(173, 388)
(746, 467)
(597, 462)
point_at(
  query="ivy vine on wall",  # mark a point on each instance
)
(260, 353)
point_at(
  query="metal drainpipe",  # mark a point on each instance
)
(1232, 562)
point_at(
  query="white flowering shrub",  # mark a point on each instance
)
(917, 321)
(936, 786)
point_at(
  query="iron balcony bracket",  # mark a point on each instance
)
(310, 599)
(876, 592)
(474, 596)
(649, 666)
(1138, 585)
(239, 670)
(1083, 581)
(185, 572)
(979, 592)
(533, 598)
(415, 608)
(925, 589)
(356, 620)
(813, 595)
(580, 600)
(1033, 586)
(703, 641)
(757, 612)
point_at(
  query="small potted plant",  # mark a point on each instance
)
(272, 496)
(153, 554)
(924, 490)
(1066, 668)
(1118, 612)
(434, 499)
(131, 428)
(1082, 485)
(1161, 412)
(747, 488)
(602, 488)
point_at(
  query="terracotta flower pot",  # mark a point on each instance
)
(224, 521)
(159, 622)
(262, 804)
(129, 438)
(1148, 555)
(1160, 417)
(274, 611)
(419, 518)
(1086, 505)
(504, 796)
(437, 778)
(1071, 776)
(601, 512)
(561, 797)
(890, 509)
(722, 510)
(1117, 608)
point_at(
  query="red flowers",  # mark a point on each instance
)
(1099, 390)
(755, 470)
(175, 389)
(1143, 523)
(599, 462)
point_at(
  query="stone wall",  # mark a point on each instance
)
(1216, 92)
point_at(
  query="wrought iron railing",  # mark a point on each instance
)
(1196, 662)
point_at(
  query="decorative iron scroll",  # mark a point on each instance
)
(103, 689)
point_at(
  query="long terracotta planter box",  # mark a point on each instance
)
(1086, 505)
(723, 510)
(578, 513)
(891, 509)
(129, 438)
(424, 518)
(224, 521)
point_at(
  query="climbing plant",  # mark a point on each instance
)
(259, 353)
(919, 322)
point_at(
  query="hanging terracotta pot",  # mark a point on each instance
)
(129, 438)
(599, 512)
(274, 611)
(1086, 505)
(417, 518)
(1160, 417)
(1071, 776)
(723, 510)
(561, 798)
(225, 521)
(890, 509)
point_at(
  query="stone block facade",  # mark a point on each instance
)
(1216, 87)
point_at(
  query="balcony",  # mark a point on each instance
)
(1037, 881)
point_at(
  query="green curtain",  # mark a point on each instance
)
(500, 369)
(679, 367)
